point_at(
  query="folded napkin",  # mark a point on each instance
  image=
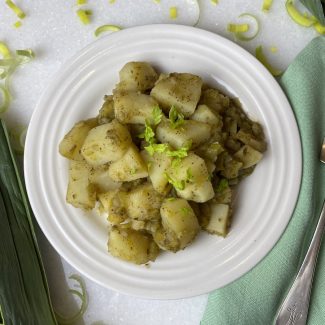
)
(255, 298)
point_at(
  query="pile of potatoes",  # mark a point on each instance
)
(161, 160)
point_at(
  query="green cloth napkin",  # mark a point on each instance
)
(255, 298)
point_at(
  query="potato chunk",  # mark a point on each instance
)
(248, 156)
(70, 145)
(192, 179)
(138, 76)
(177, 217)
(106, 143)
(205, 115)
(131, 245)
(219, 219)
(144, 203)
(133, 107)
(215, 99)
(129, 167)
(183, 90)
(81, 193)
(106, 113)
(103, 182)
(194, 131)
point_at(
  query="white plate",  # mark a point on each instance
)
(265, 200)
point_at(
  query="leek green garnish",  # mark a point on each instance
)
(148, 133)
(240, 34)
(173, 12)
(319, 28)
(316, 7)
(106, 28)
(176, 118)
(267, 5)
(19, 13)
(185, 210)
(179, 185)
(298, 17)
(189, 176)
(156, 147)
(84, 15)
(62, 320)
(222, 185)
(237, 28)
(17, 24)
(181, 152)
(261, 57)
(24, 294)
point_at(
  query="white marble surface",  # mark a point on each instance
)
(53, 31)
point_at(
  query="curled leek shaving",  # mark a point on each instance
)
(84, 302)
(262, 58)
(319, 28)
(19, 13)
(84, 16)
(267, 5)
(173, 13)
(298, 17)
(241, 29)
(106, 28)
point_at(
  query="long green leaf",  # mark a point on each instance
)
(316, 7)
(24, 294)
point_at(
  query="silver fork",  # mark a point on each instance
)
(294, 309)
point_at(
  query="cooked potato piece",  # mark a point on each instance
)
(133, 107)
(215, 100)
(231, 168)
(248, 156)
(106, 143)
(131, 245)
(129, 167)
(219, 219)
(81, 193)
(183, 90)
(103, 182)
(144, 203)
(114, 203)
(205, 115)
(210, 151)
(223, 192)
(158, 164)
(71, 144)
(177, 217)
(192, 179)
(106, 113)
(194, 131)
(166, 240)
(138, 76)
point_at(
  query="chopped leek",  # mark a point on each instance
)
(81, 2)
(214, 2)
(239, 33)
(156, 1)
(84, 302)
(319, 28)
(106, 28)
(179, 185)
(17, 24)
(176, 118)
(261, 57)
(156, 115)
(316, 8)
(111, 1)
(173, 12)
(181, 152)
(84, 15)
(24, 293)
(237, 28)
(19, 13)
(267, 5)
(156, 147)
(4, 51)
(298, 17)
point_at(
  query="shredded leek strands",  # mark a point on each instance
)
(84, 302)
(262, 58)
(4, 51)
(5, 94)
(173, 13)
(267, 5)
(237, 28)
(319, 28)
(17, 24)
(240, 29)
(84, 16)
(301, 19)
(106, 28)
(19, 13)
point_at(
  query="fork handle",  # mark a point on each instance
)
(294, 309)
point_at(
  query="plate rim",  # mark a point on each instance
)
(166, 28)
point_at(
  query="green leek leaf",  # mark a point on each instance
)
(316, 7)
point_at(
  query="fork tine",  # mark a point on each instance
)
(322, 153)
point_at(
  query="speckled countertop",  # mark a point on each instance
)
(53, 31)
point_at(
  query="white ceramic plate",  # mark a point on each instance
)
(265, 200)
